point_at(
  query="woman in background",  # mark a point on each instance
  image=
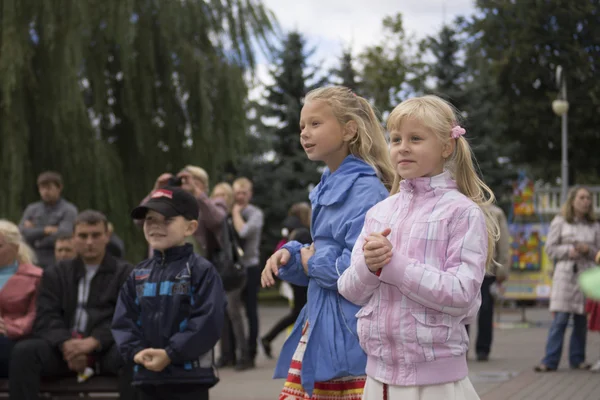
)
(573, 241)
(19, 282)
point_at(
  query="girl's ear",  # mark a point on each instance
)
(350, 131)
(448, 148)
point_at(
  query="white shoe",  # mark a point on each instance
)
(596, 367)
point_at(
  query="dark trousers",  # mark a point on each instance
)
(250, 298)
(173, 392)
(35, 358)
(6, 346)
(485, 319)
(228, 341)
(300, 297)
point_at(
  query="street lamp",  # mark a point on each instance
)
(560, 106)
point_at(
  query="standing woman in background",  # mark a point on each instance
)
(573, 241)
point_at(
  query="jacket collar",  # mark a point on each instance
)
(334, 187)
(428, 184)
(108, 265)
(174, 253)
(29, 270)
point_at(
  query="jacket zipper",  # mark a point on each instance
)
(157, 315)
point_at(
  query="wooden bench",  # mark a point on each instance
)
(97, 387)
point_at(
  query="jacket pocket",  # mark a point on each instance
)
(366, 321)
(432, 327)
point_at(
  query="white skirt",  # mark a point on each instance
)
(460, 390)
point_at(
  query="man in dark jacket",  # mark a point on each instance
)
(75, 306)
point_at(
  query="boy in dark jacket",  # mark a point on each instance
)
(170, 312)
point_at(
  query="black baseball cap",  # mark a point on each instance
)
(171, 202)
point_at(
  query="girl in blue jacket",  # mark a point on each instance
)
(322, 356)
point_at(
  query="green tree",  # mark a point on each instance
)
(523, 43)
(282, 175)
(112, 93)
(465, 82)
(386, 73)
(445, 70)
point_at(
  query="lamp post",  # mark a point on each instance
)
(560, 106)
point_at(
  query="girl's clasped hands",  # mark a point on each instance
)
(377, 250)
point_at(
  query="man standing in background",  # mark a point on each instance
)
(500, 270)
(45, 220)
(248, 221)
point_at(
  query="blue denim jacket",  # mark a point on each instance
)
(339, 204)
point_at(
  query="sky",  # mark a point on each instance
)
(332, 25)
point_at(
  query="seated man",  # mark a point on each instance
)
(75, 306)
(64, 249)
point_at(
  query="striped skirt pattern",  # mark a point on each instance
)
(347, 388)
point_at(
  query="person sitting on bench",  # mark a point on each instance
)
(75, 306)
(19, 282)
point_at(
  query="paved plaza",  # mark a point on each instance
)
(508, 375)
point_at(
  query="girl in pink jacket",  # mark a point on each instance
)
(419, 262)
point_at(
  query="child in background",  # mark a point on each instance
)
(419, 262)
(322, 358)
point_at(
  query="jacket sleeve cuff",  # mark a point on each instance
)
(294, 248)
(394, 272)
(58, 340)
(173, 355)
(134, 351)
(365, 275)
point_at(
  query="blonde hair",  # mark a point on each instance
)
(369, 143)
(198, 173)
(567, 210)
(302, 211)
(228, 193)
(12, 235)
(440, 117)
(244, 182)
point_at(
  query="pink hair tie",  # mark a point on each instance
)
(457, 132)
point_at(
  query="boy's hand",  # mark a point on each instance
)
(305, 254)
(377, 250)
(281, 257)
(153, 359)
(2, 327)
(141, 357)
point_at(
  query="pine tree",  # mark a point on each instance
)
(345, 74)
(283, 175)
(467, 85)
